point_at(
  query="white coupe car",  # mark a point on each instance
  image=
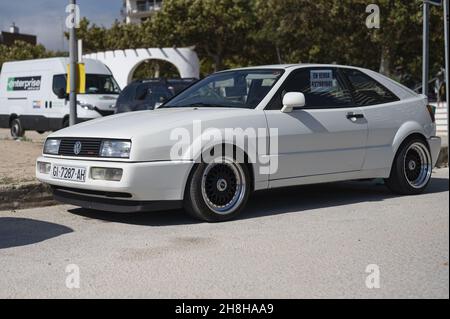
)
(244, 130)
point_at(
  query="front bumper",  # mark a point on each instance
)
(435, 148)
(144, 186)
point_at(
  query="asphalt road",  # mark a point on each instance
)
(306, 242)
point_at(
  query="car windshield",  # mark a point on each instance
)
(101, 84)
(237, 89)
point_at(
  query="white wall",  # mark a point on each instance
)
(441, 119)
(123, 63)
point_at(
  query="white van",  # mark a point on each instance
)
(33, 95)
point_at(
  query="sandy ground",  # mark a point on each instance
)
(17, 158)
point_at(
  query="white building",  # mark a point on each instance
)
(136, 11)
(123, 63)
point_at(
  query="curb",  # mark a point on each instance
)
(25, 195)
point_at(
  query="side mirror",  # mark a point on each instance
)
(293, 100)
(61, 93)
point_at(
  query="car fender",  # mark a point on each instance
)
(406, 130)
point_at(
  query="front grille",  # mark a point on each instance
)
(90, 147)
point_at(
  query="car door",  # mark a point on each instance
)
(328, 135)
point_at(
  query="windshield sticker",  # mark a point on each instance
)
(31, 83)
(322, 80)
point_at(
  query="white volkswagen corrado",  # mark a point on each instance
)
(245, 130)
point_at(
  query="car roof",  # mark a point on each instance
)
(292, 66)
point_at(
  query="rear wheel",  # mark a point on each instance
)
(412, 168)
(17, 130)
(218, 191)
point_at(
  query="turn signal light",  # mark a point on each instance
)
(43, 167)
(106, 174)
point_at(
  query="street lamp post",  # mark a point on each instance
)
(447, 61)
(426, 35)
(73, 66)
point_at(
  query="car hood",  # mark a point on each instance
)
(137, 124)
(154, 133)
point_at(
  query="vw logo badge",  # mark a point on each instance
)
(77, 148)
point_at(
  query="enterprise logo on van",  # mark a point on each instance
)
(31, 83)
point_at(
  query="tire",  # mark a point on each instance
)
(41, 132)
(17, 130)
(217, 192)
(412, 168)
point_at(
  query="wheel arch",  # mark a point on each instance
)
(405, 137)
(12, 117)
(406, 132)
(247, 163)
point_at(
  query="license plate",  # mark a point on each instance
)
(69, 173)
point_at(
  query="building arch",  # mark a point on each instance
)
(123, 63)
(133, 71)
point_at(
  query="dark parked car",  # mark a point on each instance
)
(148, 94)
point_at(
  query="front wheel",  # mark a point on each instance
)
(412, 168)
(218, 191)
(17, 130)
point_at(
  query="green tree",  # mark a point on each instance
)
(24, 51)
(234, 33)
(218, 29)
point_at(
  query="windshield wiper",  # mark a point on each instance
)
(194, 105)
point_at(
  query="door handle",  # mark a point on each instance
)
(355, 116)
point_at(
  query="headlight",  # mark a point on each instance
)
(115, 149)
(51, 146)
(86, 106)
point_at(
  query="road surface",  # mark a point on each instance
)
(305, 242)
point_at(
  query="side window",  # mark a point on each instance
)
(322, 88)
(59, 82)
(141, 92)
(127, 95)
(367, 91)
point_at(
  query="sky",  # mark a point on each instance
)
(46, 18)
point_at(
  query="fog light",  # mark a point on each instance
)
(44, 168)
(106, 174)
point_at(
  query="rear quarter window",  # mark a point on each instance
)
(366, 90)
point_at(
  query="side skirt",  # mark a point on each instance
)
(328, 178)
